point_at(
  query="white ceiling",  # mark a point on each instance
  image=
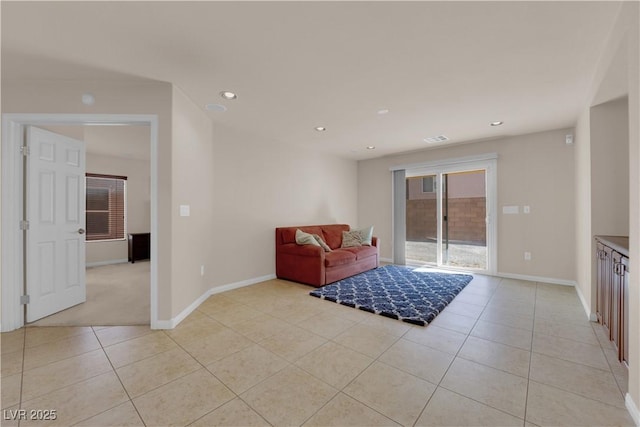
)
(441, 68)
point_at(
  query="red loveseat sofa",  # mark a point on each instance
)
(312, 265)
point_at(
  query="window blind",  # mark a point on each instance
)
(105, 206)
(399, 215)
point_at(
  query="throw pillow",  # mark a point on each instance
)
(322, 243)
(303, 238)
(353, 238)
(366, 235)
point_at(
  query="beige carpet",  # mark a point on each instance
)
(117, 294)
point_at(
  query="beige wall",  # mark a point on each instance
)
(64, 97)
(534, 170)
(609, 144)
(138, 202)
(618, 74)
(259, 185)
(609, 126)
(582, 179)
(192, 167)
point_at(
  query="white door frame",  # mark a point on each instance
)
(12, 202)
(487, 162)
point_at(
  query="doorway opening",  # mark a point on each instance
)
(13, 248)
(117, 182)
(462, 225)
(443, 214)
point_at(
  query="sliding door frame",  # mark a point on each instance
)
(487, 162)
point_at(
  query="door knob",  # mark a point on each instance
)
(81, 231)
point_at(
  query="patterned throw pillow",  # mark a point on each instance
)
(321, 243)
(351, 239)
(303, 238)
(354, 238)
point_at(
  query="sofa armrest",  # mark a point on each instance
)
(300, 263)
(375, 242)
(300, 250)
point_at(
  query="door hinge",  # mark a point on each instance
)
(24, 225)
(25, 150)
(24, 299)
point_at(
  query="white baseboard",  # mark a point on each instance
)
(175, 321)
(108, 262)
(389, 260)
(591, 316)
(632, 408)
(541, 279)
(241, 284)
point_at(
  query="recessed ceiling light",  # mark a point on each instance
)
(498, 123)
(439, 138)
(216, 107)
(228, 95)
(371, 147)
(383, 111)
(320, 128)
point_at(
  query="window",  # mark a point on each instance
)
(429, 184)
(105, 207)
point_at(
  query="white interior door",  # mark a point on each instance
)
(55, 205)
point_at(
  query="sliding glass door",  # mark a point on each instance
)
(421, 220)
(464, 219)
(446, 217)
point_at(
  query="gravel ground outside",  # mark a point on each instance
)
(468, 256)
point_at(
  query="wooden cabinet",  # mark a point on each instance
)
(612, 293)
(139, 246)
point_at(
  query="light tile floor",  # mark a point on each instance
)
(504, 352)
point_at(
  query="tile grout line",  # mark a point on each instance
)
(214, 375)
(526, 397)
(341, 390)
(66, 385)
(331, 340)
(121, 384)
(455, 356)
(58, 360)
(291, 364)
(573, 362)
(615, 378)
(579, 395)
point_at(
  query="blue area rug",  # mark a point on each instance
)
(397, 292)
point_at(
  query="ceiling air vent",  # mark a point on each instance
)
(439, 138)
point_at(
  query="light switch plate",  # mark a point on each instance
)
(526, 209)
(510, 210)
(185, 210)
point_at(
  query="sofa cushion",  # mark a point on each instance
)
(288, 234)
(339, 257)
(362, 251)
(333, 234)
(303, 238)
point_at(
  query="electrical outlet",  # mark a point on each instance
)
(527, 256)
(526, 209)
(202, 270)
